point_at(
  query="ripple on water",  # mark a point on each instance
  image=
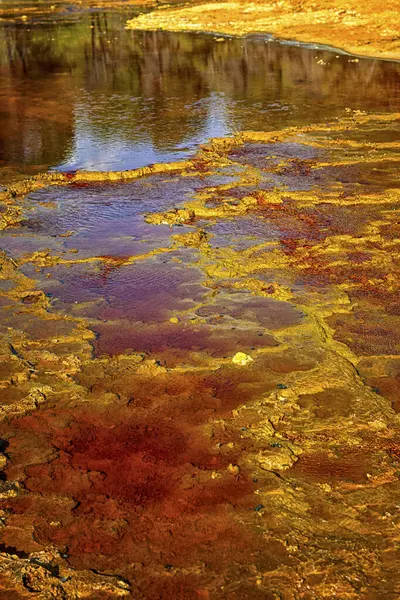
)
(145, 291)
(98, 220)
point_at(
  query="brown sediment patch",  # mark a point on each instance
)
(197, 394)
(330, 403)
(382, 374)
(369, 333)
(32, 325)
(324, 468)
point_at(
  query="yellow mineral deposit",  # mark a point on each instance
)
(241, 359)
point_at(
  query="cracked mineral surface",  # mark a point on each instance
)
(200, 394)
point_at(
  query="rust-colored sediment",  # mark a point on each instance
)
(143, 456)
(369, 28)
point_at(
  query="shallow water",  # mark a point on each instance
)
(78, 91)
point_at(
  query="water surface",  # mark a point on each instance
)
(78, 91)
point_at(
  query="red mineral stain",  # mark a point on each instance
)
(388, 387)
(140, 488)
(81, 184)
(372, 333)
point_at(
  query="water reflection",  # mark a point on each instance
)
(88, 94)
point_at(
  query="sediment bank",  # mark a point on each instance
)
(368, 28)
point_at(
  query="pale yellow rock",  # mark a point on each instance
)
(233, 469)
(325, 486)
(241, 359)
(279, 461)
(378, 424)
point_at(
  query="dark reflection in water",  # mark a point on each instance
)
(88, 94)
